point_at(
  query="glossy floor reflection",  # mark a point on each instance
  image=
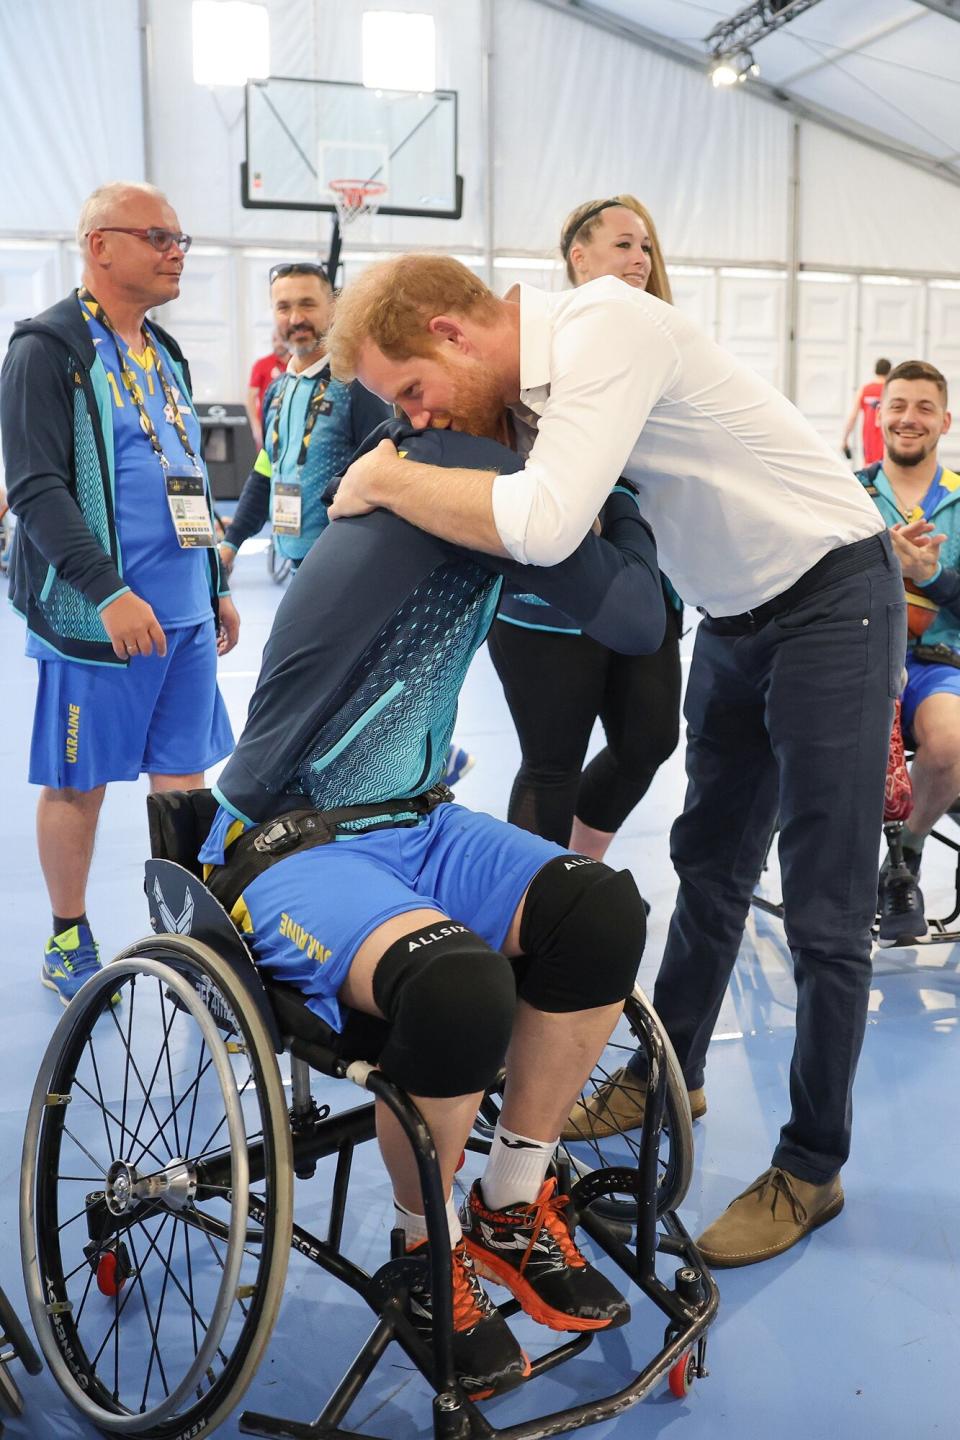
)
(846, 1336)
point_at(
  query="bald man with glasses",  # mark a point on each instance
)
(114, 565)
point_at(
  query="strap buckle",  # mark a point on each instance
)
(279, 837)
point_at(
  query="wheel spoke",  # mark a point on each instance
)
(192, 1090)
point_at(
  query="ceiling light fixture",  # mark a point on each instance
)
(730, 42)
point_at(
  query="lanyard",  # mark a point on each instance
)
(132, 386)
(315, 408)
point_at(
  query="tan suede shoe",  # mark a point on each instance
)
(615, 1106)
(773, 1214)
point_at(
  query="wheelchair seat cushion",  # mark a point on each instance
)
(312, 1039)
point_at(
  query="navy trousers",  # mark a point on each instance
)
(789, 717)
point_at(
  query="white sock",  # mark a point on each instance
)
(414, 1226)
(516, 1169)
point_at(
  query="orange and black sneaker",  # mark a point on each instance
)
(486, 1357)
(530, 1250)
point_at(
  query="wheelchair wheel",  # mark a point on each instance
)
(156, 1193)
(278, 566)
(591, 1151)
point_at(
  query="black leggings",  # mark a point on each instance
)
(556, 686)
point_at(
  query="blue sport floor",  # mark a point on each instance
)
(846, 1336)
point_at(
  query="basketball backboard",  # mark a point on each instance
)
(301, 134)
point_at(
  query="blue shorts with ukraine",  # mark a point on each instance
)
(925, 679)
(155, 716)
(307, 916)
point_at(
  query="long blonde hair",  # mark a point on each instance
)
(581, 223)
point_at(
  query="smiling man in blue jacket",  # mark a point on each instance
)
(356, 880)
(113, 565)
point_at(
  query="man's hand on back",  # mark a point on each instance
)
(368, 479)
(132, 627)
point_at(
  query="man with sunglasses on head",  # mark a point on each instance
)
(312, 423)
(114, 564)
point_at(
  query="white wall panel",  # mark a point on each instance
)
(826, 342)
(695, 293)
(29, 282)
(751, 321)
(205, 322)
(891, 322)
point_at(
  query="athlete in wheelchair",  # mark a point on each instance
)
(387, 925)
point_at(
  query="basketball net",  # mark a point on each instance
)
(356, 200)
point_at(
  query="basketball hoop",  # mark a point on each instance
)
(356, 198)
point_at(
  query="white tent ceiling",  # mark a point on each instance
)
(888, 67)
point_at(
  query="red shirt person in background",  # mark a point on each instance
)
(262, 375)
(867, 401)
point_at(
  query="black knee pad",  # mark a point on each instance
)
(582, 935)
(450, 1000)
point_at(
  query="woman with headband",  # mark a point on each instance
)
(557, 680)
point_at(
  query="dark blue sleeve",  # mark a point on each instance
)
(610, 585)
(36, 419)
(367, 412)
(252, 510)
(945, 590)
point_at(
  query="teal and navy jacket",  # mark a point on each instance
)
(353, 414)
(357, 693)
(56, 416)
(941, 594)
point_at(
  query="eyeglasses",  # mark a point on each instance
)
(161, 240)
(298, 267)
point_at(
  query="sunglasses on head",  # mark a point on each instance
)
(159, 238)
(298, 267)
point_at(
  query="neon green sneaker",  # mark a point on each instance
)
(69, 959)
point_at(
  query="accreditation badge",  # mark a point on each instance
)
(287, 508)
(187, 499)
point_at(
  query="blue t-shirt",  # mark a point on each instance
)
(175, 582)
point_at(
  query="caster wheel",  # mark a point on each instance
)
(682, 1375)
(113, 1271)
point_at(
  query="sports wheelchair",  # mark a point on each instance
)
(157, 1189)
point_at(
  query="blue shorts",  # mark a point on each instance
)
(923, 680)
(97, 723)
(308, 915)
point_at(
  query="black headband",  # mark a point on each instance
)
(590, 215)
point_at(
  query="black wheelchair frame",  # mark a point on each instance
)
(197, 963)
(14, 1345)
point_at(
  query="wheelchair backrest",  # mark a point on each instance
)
(179, 822)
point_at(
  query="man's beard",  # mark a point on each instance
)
(907, 460)
(304, 344)
(476, 405)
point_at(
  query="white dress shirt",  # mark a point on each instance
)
(743, 495)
